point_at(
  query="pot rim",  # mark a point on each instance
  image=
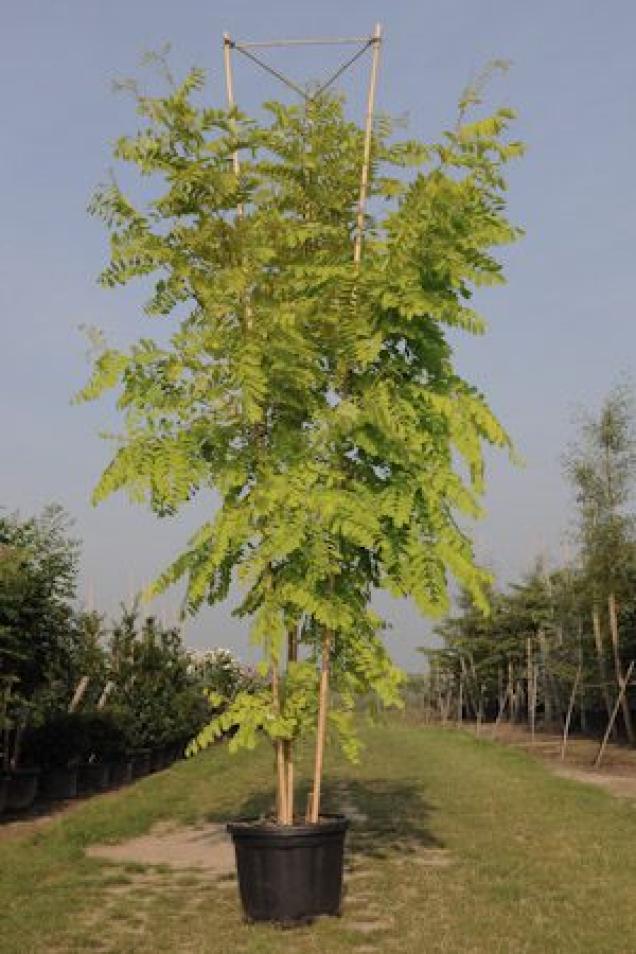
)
(256, 828)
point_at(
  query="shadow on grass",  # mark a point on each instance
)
(387, 818)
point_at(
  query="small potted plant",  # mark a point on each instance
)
(21, 781)
(309, 382)
(57, 746)
(104, 763)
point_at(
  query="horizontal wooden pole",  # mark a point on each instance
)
(320, 41)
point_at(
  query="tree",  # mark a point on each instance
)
(319, 400)
(38, 567)
(601, 467)
(154, 696)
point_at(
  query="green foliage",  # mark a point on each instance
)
(319, 402)
(601, 467)
(552, 614)
(38, 566)
(153, 697)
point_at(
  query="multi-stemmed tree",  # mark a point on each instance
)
(601, 466)
(317, 398)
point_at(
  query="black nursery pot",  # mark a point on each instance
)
(140, 763)
(93, 777)
(21, 789)
(158, 760)
(120, 772)
(4, 792)
(59, 783)
(290, 873)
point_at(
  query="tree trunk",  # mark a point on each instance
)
(600, 656)
(613, 621)
(323, 704)
(511, 693)
(548, 715)
(529, 678)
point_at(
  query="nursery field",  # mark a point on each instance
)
(459, 845)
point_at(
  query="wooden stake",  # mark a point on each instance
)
(533, 703)
(502, 709)
(292, 656)
(229, 89)
(529, 675)
(106, 691)
(480, 711)
(323, 702)
(78, 695)
(613, 621)
(319, 41)
(368, 133)
(281, 800)
(617, 704)
(568, 718)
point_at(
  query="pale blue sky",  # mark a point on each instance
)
(560, 332)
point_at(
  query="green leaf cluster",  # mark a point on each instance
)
(318, 401)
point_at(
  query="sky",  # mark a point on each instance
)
(560, 333)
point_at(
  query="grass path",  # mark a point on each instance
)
(467, 848)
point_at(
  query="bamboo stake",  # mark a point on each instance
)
(533, 704)
(613, 621)
(314, 810)
(229, 89)
(529, 674)
(568, 718)
(281, 801)
(292, 656)
(547, 698)
(480, 711)
(502, 709)
(617, 704)
(78, 695)
(106, 691)
(236, 165)
(284, 806)
(319, 41)
(368, 132)
(323, 699)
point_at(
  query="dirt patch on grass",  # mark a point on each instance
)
(207, 848)
(34, 819)
(616, 776)
(619, 785)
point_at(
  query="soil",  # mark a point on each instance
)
(207, 848)
(38, 816)
(617, 774)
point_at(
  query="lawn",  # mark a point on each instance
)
(459, 845)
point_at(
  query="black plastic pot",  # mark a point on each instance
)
(175, 751)
(93, 777)
(158, 759)
(4, 792)
(22, 788)
(59, 783)
(290, 874)
(140, 763)
(120, 772)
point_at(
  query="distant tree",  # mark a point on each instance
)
(154, 695)
(38, 572)
(601, 466)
